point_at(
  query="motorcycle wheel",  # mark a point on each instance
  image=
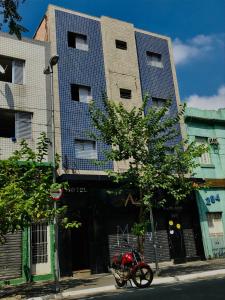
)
(120, 283)
(142, 276)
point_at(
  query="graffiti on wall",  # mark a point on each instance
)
(218, 246)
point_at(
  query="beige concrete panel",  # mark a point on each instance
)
(29, 96)
(42, 31)
(52, 38)
(121, 67)
(83, 172)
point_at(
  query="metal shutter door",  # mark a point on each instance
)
(11, 256)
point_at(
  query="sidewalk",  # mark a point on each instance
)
(101, 283)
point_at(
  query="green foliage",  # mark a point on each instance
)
(25, 183)
(139, 229)
(11, 17)
(160, 164)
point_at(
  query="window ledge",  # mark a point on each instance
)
(207, 166)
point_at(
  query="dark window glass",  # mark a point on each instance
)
(154, 59)
(71, 38)
(80, 93)
(77, 40)
(5, 69)
(75, 92)
(121, 45)
(11, 70)
(7, 123)
(124, 93)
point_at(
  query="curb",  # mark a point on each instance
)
(110, 288)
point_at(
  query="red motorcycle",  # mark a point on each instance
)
(129, 266)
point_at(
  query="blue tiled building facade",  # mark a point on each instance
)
(87, 68)
(83, 68)
(157, 82)
(96, 56)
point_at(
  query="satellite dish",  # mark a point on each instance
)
(2, 70)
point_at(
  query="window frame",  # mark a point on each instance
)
(16, 127)
(83, 141)
(12, 61)
(123, 91)
(205, 159)
(212, 222)
(154, 63)
(159, 100)
(122, 45)
(72, 36)
(73, 92)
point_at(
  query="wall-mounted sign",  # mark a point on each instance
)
(212, 199)
(131, 200)
(77, 190)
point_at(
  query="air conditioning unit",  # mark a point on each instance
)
(213, 141)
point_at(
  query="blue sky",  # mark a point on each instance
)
(197, 28)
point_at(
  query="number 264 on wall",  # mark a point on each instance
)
(212, 199)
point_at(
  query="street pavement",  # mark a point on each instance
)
(207, 289)
(98, 284)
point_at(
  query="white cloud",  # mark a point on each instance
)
(195, 48)
(208, 102)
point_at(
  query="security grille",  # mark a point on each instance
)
(39, 243)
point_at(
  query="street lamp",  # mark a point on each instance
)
(49, 71)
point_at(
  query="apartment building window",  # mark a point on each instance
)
(85, 149)
(15, 124)
(154, 59)
(11, 70)
(81, 93)
(39, 243)
(159, 103)
(205, 158)
(121, 45)
(125, 94)
(215, 224)
(77, 41)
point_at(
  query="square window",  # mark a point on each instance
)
(205, 158)
(15, 124)
(125, 94)
(85, 149)
(121, 45)
(154, 59)
(11, 70)
(77, 41)
(81, 93)
(215, 224)
(159, 103)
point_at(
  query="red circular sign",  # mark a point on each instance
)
(56, 194)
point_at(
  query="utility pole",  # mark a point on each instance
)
(154, 239)
(49, 71)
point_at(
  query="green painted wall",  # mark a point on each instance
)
(210, 124)
(26, 276)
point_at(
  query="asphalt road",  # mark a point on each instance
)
(207, 289)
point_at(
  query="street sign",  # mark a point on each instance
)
(56, 194)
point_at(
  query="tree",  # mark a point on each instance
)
(25, 183)
(11, 16)
(159, 162)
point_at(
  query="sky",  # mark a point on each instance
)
(196, 27)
